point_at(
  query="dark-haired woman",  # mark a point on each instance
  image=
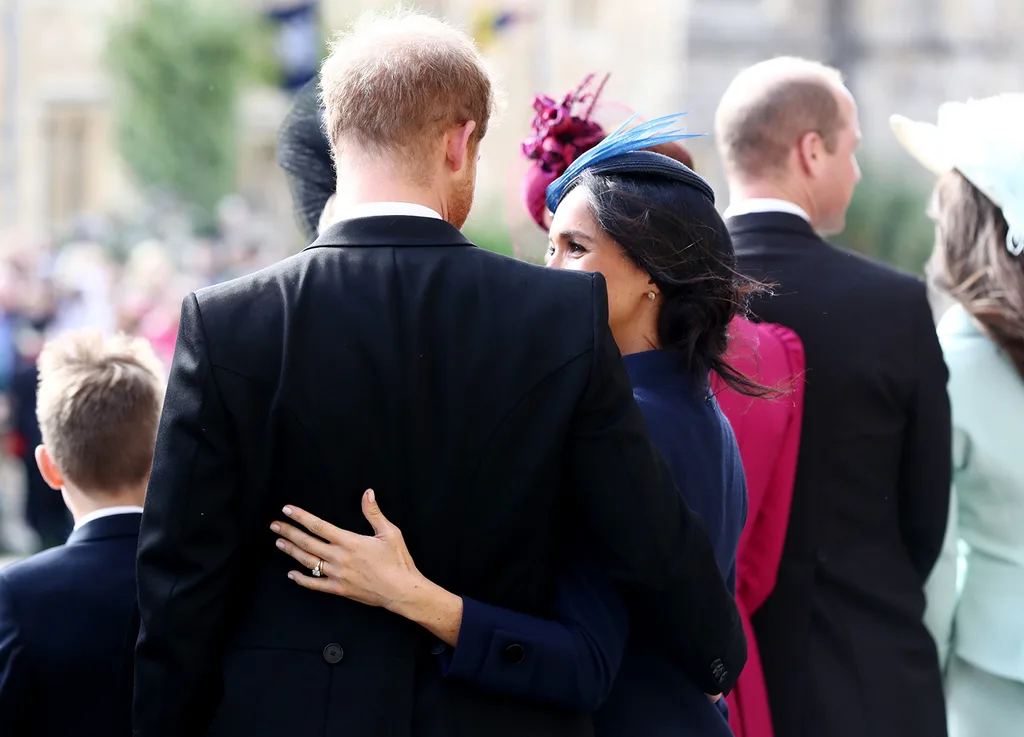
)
(767, 431)
(977, 149)
(649, 225)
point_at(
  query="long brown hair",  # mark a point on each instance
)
(972, 265)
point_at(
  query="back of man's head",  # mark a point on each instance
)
(790, 123)
(396, 81)
(766, 109)
(98, 407)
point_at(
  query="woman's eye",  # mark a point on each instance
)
(576, 248)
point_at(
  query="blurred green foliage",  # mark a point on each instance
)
(887, 220)
(493, 235)
(178, 67)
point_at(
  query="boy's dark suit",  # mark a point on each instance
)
(66, 628)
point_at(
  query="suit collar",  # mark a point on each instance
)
(761, 222)
(764, 204)
(107, 512)
(390, 231)
(102, 528)
(375, 209)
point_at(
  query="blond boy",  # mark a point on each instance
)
(66, 614)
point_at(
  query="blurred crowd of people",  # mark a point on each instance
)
(48, 287)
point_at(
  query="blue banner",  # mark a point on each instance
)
(297, 43)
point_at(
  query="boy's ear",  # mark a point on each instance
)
(48, 469)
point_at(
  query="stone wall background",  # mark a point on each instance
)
(902, 56)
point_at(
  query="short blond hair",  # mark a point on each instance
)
(769, 106)
(98, 408)
(395, 80)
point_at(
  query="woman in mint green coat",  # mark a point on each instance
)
(977, 616)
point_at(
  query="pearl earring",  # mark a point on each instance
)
(651, 295)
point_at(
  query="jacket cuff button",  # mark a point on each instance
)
(718, 671)
(514, 654)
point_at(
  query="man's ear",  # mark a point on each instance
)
(459, 146)
(810, 151)
(48, 469)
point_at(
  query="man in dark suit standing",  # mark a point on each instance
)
(44, 510)
(483, 399)
(67, 622)
(844, 648)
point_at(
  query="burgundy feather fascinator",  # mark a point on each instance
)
(561, 132)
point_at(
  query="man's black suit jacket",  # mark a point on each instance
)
(44, 510)
(66, 629)
(485, 402)
(841, 638)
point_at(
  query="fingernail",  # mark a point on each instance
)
(288, 511)
(280, 544)
(370, 496)
(291, 575)
(275, 527)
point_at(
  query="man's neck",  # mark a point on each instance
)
(361, 186)
(740, 192)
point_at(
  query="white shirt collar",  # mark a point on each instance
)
(764, 204)
(376, 209)
(106, 512)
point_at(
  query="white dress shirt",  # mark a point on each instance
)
(376, 209)
(106, 512)
(764, 204)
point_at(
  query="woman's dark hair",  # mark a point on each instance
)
(672, 231)
(304, 153)
(972, 265)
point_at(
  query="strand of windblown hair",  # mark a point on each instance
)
(622, 140)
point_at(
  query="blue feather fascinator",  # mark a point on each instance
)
(622, 152)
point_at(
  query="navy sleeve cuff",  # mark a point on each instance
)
(467, 659)
(493, 651)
